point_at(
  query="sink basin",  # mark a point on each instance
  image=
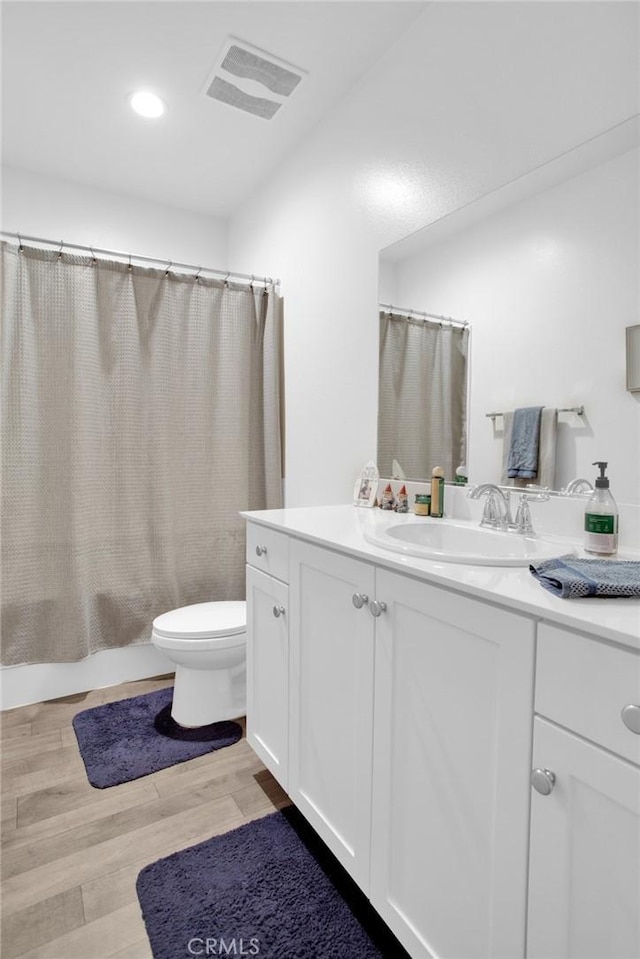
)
(451, 542)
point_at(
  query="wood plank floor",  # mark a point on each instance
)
(71, 853)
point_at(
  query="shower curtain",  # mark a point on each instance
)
(422, 401)
(141, 412)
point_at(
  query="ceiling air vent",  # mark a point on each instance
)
(251, 80)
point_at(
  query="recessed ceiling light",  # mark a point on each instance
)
(147, 104)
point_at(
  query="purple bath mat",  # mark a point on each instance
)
(269, 889)
(135, 737)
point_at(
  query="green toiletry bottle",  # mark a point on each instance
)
(601, 518)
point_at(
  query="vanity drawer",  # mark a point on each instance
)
(584, 685)
(268, 550)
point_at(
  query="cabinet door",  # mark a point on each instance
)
(268, 671)
(332, 701)
(584, 884)
(452, 747)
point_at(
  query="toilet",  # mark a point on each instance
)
(206, 642)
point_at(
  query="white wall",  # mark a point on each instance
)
(417, 139)
(549, 286)
(54, 209)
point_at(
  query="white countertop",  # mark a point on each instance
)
(342, 528)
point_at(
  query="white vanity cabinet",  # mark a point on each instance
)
(268, 649)
(584, 887)
(404, 710)
(439, 757)
(332, 657)
(453, 716)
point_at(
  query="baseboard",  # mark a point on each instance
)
(38, 682)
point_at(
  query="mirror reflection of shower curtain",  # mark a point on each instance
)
(422, 399)
(141, 412)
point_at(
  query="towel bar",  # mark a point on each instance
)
(578, 410)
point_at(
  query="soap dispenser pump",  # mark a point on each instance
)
(601, 517)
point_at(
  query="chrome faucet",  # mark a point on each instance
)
(577, 486)
(497, 509)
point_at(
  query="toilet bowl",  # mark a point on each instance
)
(206, 643)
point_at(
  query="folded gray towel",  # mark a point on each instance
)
(570, 577)
(525, 439)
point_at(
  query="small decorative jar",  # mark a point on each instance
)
(423, 504)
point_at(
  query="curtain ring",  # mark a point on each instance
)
(251, 283)
(20, 246)
(166, 272)
(60, 250)
(130, 267)
(197, 276)
(226, 280)
(93, 256)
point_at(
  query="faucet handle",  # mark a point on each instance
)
(492, 515)
(523, 522)
(523, 515)
(535, 497)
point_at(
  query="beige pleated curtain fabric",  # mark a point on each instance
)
(422, 402)
(141, 413)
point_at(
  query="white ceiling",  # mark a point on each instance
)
(69, 67)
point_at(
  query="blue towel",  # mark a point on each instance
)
(525, 439)
(570, 578)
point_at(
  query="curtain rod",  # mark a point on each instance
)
(61, 245)
(417, 313)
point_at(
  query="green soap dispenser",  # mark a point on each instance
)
(601, 518)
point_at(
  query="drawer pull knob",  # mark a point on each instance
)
(377, 608)
(278, 611)
(359, 600)
(543, 781)
(631, 718)
(261, 550)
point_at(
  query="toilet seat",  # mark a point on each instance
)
(218, 625)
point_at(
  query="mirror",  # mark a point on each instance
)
(633, 358)
(422, 394)
(544, 271)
